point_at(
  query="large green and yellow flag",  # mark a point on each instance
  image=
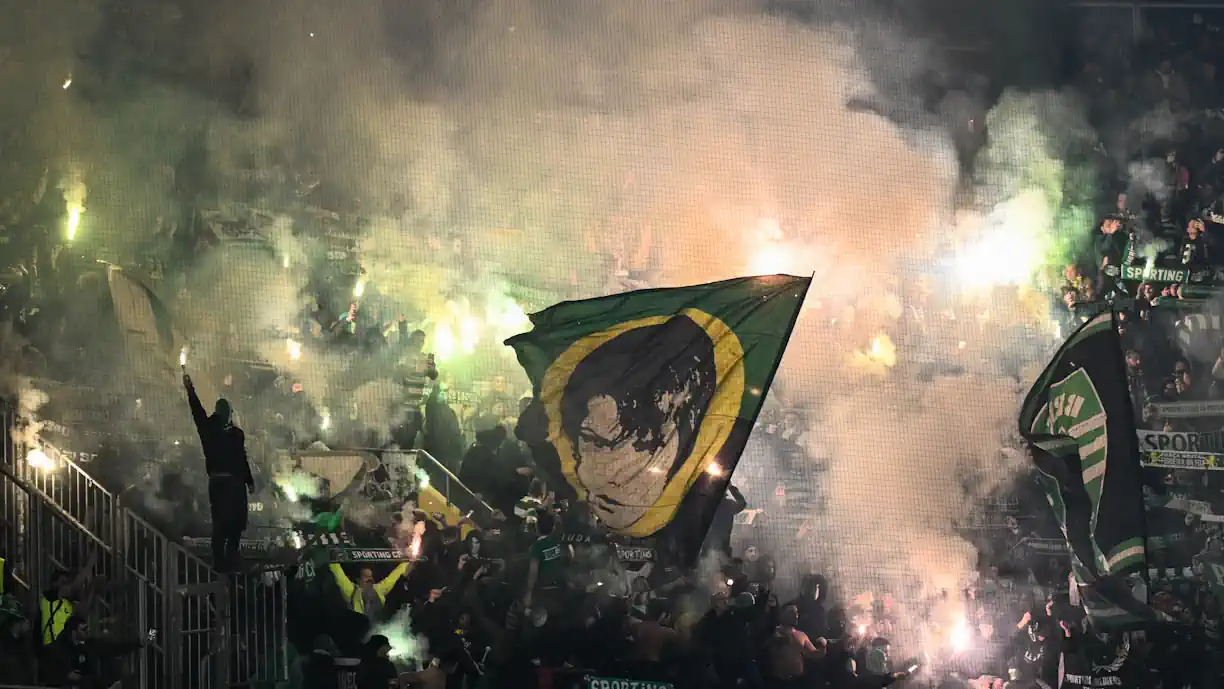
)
(644, 401)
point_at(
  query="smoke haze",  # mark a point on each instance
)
(553, 144)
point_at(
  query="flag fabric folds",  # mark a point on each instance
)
(1080, 429)
(643, 401)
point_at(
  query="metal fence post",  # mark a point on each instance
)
(142, 670)
(283, 650)
(173, 641)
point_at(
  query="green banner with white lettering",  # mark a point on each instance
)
(1140, 273)
(1080, 429)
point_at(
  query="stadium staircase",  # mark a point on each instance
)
(54, 517)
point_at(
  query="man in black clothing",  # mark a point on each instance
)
(813, 619)
(1036, 653)
(719, 536)
(723, 634)
(229, 475)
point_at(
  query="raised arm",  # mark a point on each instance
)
(193, 400)
(384, 587)
(737, 497)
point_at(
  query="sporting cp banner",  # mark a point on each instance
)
(1078, 422)
(612, 683)
(1182, 450)
(644, 401)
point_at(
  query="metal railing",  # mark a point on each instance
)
(53, 516)
(236, 631)
(451, 488)
(441, 479)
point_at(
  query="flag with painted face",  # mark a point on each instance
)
(1080, 428)
(643, 401)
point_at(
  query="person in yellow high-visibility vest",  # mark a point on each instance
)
(55, 604)
(368, 596)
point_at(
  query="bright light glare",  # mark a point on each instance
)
(714, 469)
(38, 459)
(883, 350)
(469, 334)
(298, 542)
(183, 356)
(960, 638)
(294, 348)
(770, 260)
(444, 342)
(1009, 250)
(74, 220)
(862, 629)
(67, 83)
(506, 317)
(878, 357)
(359, 288)
(325, 420)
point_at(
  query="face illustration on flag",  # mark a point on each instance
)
(633, 433)
(642, 402)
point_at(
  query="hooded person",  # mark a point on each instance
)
(229, 475)
(493, 468)
(813, 618)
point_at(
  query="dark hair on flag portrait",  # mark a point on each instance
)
(631, 410)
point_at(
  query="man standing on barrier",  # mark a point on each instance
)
(229, 475)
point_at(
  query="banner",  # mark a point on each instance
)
(643, 402)
(1091, 662)
(1181, 442)
(1044, 547)
(1078, 422)
(1188, 410)
(1139, 273)
(1150, 273)
(1181, 450)
(612, 683)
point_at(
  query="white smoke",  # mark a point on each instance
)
(26, 431)
(1150, 177)
(406, 645)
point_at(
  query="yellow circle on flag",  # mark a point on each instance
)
(714, 427)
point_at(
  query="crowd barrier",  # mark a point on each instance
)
(54, 515)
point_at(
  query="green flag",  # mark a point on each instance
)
(643, 401)
(1080, 428)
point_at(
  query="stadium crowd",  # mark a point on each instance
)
(541, 600)
(536, 597)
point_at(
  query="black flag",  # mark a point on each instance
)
(1080, 429)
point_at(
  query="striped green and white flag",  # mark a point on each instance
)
(1079, 425)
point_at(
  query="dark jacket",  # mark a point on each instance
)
(319, 671)
(224, 443)
(85, 659)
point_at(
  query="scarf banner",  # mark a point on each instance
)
(612, 683)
